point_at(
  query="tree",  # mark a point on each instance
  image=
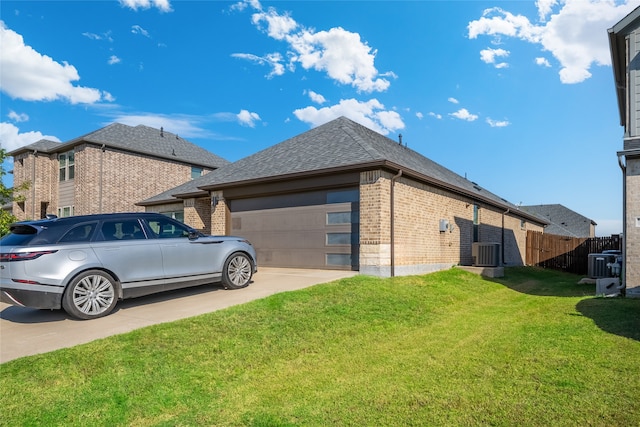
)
(8, 195)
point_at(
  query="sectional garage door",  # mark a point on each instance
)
(317, 229)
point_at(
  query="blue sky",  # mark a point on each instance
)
(518, 96)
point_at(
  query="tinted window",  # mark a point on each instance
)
(127, 229)
(20, 235)
(79, 233)
(167, 228)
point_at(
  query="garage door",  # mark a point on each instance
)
(305, 230)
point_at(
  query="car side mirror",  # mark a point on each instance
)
(193, 234)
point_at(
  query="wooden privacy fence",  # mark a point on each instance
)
(570, 254)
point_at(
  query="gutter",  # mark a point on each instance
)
(502, 243)
(393, 223)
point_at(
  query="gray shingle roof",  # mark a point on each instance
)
(43, 145)
(143, 140)
(563, 221)
(339, 144)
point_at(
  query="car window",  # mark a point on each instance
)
(167, 228)
(121, 230)
(79, 233)
(20, 235)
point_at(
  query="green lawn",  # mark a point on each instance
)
(450, 348)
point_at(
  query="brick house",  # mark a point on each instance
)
(107, 170)
(343, 196)
(624, 43)
(563, 221)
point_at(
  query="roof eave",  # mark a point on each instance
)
(369, 165)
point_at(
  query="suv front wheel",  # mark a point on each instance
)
(237, 271)
(90, 295)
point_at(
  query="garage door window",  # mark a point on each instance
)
(341, 218)
(339, 259)
(339, 238)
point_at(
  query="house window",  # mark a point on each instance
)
(67, 165)
(195, 172)
(177, 215)
(65, 211)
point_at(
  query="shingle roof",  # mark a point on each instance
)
(341, 144)
(143, 140)
(563, 221)
(43, 145)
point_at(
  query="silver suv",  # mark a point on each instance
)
(85, 264)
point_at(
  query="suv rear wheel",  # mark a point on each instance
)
(90, 295)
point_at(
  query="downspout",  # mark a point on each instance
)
(623, 270)
(393, 225)
(502, 243)
(101, 178)
(33, 186)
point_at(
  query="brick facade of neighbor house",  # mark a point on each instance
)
(632, 235)
(114, 168)
(624, 44)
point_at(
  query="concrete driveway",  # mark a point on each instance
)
(25, 331)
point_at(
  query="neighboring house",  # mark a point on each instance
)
(108, 170)
(624, 42)
(343, 196)
(563, 221)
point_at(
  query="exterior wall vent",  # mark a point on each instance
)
(486, 254)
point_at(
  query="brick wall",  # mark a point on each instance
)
(40, 171)
(197, 214)
(632, 233)
(220, 216)
(420, 246)
(105, 180)
(113, 181)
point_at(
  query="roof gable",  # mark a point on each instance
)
(340, 144)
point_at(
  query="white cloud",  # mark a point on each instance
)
(278, 26)
(12, 138)
(316, 97)
(273, 60)
(31, 76)
(339, 53)
(370, 114)
(489, 56)
(419, 115)
(247, 118)
(497, 123)
(453, 101)
(161, 5)
(113, 60)
(182, 125)
(436, 115)
(106, 36)
(18, 117)
(544, 8)
(573, 31)
(137, 29)
(543, 62)
(464, 114)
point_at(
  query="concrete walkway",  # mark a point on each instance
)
(25, 331)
